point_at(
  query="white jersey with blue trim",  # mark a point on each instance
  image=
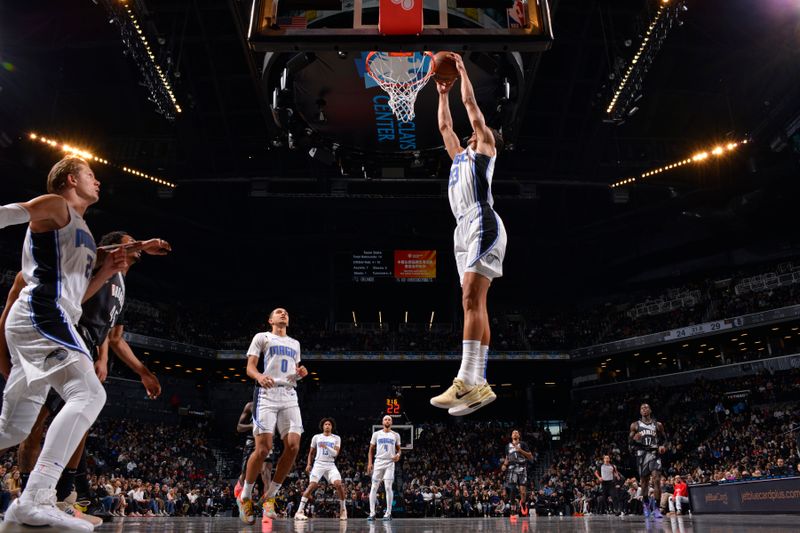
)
(470, 184)
(386, 443)
(278, 358)
(325, 447)
(57, 266)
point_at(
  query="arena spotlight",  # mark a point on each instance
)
(138, 47)
(88, 156)
(628, 88)
(718, 151)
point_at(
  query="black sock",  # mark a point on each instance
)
(65, 484)
(23, 479)
(82, 480)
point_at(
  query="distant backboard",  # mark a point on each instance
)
(406, 433)
(460, 25)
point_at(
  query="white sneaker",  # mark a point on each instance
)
(300, 515)
(43, 512)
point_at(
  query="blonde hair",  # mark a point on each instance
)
(57, 178)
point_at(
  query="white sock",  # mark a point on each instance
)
(247, 490)
(342, 506)
(302, 506)
(471, 357)
(273, 489)
(373, 498)
(480, 373)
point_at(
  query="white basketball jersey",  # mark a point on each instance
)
(325, 444)
(470, 182)
(385, 445)
(57, 266)
(278, 358)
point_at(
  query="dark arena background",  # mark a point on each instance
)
(648, 185)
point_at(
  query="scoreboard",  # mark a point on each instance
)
(394, 265)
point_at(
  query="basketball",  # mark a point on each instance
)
(444, 68)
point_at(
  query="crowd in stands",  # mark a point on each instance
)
(513, 329)
(520, 329)
(716, 432)
(144, 469)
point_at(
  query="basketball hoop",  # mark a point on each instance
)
(402, 75)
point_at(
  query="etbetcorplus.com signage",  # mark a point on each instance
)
(765, 496)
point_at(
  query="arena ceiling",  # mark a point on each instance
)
(730, 71)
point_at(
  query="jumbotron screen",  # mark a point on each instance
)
(399, 265)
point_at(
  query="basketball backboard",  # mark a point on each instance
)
(325, 103)
(458, 25)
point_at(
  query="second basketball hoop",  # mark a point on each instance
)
(402, 75)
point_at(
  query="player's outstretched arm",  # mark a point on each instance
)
(110, 264)
(50, 210)
(484, 134)
(449, 136)
(125, 353)
(13, 295)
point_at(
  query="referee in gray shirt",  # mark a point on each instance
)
(608, 475)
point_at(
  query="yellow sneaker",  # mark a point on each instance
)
(476, 398)
(269, 509)
(246, 511)
(453, 396)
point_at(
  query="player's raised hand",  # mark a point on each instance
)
(459, 61)
(265, 381)
(443, 87)
(111, 262)
(156, 247)
(301, 372)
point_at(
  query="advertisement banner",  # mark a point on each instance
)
(415, 264)
(764, 496)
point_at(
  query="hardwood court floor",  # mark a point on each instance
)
(607, 524)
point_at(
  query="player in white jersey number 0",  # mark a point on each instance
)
(324, 448)
(273, 361)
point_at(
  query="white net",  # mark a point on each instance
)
(402, 76)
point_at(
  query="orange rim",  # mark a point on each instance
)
(430, 72)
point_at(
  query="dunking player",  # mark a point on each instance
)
(245, 425)
(479, 242)
(516, 467)
(101, 324)
(648, 441)
(384, 447)
(324, 448)
(273, 361)
(46, 351)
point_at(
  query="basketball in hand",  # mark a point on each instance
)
(445, 70)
